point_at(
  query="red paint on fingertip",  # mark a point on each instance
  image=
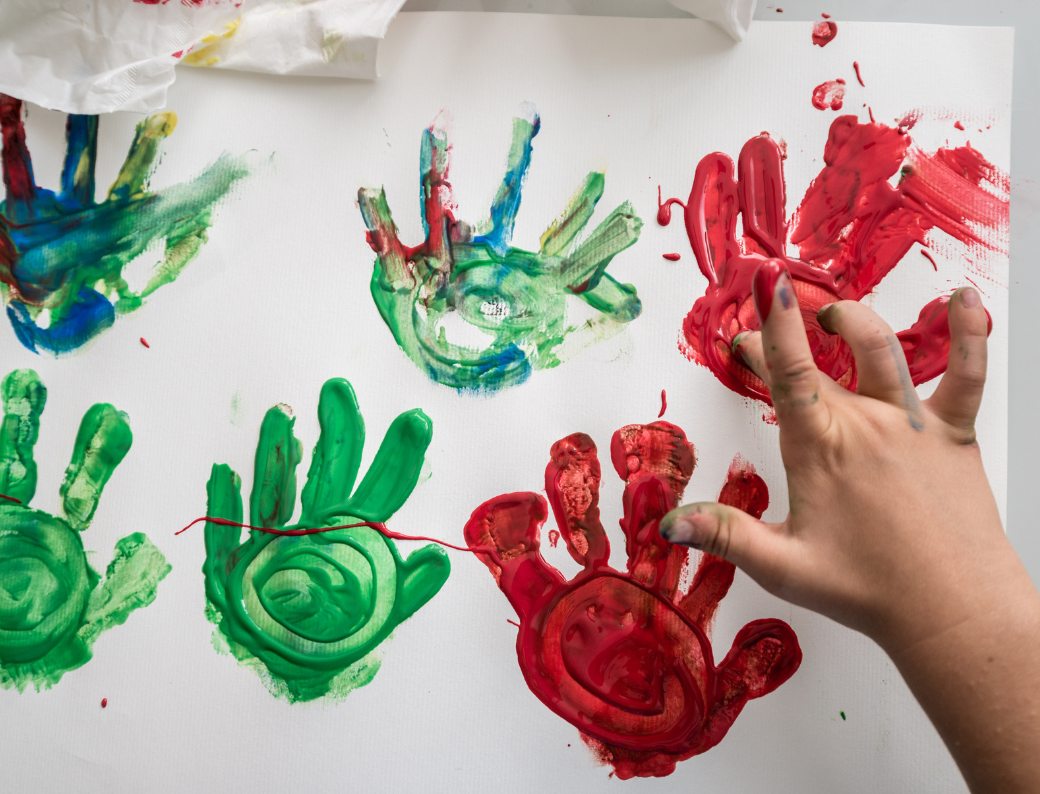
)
(764, 287)
(829, 95)
(823, 32)
(672, 257)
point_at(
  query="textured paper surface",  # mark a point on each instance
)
(278, 301)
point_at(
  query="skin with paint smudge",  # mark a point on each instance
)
(311, 610)
(893, 529)
(625, 656)
(62, 254)
(53, 604)
(513, 300)
(851, 229)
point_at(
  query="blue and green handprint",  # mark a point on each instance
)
(311, 609)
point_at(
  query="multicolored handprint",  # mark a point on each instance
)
(515, 300)
(851, 229)
(625, 657)
(53, 605)
(62, 255)
(311, 609)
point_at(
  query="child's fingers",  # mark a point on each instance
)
(956, 399)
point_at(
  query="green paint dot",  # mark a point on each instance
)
(842, 715)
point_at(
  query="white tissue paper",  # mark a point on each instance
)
(733, 16)
(107, 55)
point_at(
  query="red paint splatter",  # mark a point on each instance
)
(104, 703)
(958, 126)
(829, 94)
(930, 258)
(554, 537)
(909, 121)
(625, 656)
(823, 32)
(7, 498)
(870, 113)
(859, 75)
(144, 342)
(975, 284)
(664, 403)
(673, 257)
(850, 230)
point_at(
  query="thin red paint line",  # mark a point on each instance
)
(664, 403)
(929, 257)
(513, 622)
(10, 498)
(859, 77)
(381, 528)
(973, 283)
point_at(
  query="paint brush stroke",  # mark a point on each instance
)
(514, 301)
(62, 254)
(625, 656)
(851, 229)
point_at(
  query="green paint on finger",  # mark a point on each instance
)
(53, 604)
(308, 612)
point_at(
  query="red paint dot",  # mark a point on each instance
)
(554, 537)
(144, 342)
(859, 76)
(823, 33)
(672, 257)
(104, 703)
(957, 125)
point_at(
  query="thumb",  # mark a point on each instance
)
(732, 534)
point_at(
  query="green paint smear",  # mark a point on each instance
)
(512, 299)
(308, 612)
(53, 605)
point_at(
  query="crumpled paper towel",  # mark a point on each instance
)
(733, 16)
(97, 56)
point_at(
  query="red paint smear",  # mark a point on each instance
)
(931, 259)
(672, 257)
(850, 230)
(859, 76)
(957, 125)
(664, 403)
(381, 528)
(145, 342)
(104, 703)
(625, 656)
(554, 537)
(7, 498)
(823, 33)
(829, 94)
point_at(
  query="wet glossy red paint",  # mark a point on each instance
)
(672, 257)
(625, 656)
(850, 230)
(823, 32)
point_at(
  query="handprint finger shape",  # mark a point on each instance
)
(625, 656)
(62, 254)
(512, 299)
(53, 604)
(851, 229)
(308, 611)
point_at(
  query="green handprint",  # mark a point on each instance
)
(514, 301)
(53, 605)
(311, 609)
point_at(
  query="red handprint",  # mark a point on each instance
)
(625, 657)
(850, 230)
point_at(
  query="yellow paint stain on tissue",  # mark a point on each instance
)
(205, 52)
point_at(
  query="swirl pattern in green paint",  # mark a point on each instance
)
(307, 612)
(53, 605)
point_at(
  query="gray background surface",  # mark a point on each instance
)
(1024, 16)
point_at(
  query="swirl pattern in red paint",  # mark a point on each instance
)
(625, 656)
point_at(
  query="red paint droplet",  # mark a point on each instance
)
(672, 257)
(957, 125)
(823, 33)
(664, 403)
(931, 259)
(830, 94)
(859, 76)
(104, 703)
(144, 342)
(825, 15)
(779, 10)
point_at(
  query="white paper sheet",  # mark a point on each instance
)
(278, 301)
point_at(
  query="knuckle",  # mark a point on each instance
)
(720, 541)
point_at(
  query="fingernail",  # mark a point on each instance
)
(734, 346)
(688, 528)
(822, 318)
(970, 298)
(771, 280)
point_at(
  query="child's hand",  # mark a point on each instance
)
(893, 529)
